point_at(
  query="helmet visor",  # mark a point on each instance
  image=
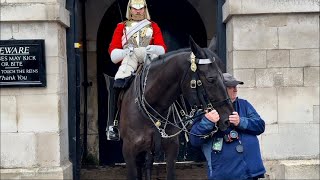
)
(137, 6)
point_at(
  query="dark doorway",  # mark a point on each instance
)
(178, 20)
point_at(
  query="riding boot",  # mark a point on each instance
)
(123, 83)
(113, 133)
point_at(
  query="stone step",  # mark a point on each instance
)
(184, 171)
(293, 169)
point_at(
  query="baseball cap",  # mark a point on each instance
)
(230, 81)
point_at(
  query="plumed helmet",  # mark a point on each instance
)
(138, 4)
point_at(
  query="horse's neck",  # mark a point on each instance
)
(163, 82)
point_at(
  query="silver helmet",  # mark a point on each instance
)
(137, 4)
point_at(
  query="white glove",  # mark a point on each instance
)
(139, 51)
(118, 54)
(155, 49)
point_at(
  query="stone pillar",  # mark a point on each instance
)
(34, 121)
(273, 46)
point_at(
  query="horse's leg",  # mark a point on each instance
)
(140, 164)
(139, 171)
(130, 159)
(171, 148)
(148, 165)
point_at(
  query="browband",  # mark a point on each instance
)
(205, 61)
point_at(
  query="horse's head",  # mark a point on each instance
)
(203, 84)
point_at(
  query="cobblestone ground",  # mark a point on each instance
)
(184, 171)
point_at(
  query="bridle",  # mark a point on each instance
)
(198, 98)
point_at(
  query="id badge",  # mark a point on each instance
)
(217, 144)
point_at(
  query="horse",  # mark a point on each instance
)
(192, 72)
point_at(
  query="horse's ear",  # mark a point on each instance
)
(194, 47)
(213, 44)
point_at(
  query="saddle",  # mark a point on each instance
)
(125, 87)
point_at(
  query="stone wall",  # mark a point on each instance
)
(273, 46)
(34, 121)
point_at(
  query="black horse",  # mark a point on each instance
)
(195, 74)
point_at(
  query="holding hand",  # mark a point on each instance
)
(213, 116)
(155, 49)
(118, 54)
(234, 118)
(139, 51)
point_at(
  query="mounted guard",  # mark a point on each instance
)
(135, 41)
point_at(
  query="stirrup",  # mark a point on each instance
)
(113, 133)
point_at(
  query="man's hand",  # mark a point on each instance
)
(213, 116)
(234, 118)
(139, 51)
(118, 54)
(155, 49)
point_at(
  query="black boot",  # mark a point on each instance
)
(123, 83)
(113, 133)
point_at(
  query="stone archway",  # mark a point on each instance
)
(192, 19)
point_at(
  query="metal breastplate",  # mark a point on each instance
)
(141, 38)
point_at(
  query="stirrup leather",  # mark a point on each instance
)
(115, 123)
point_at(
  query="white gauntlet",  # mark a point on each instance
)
(139, 51)
(155, 49)
(118, 54)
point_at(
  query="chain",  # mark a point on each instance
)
(174, 110)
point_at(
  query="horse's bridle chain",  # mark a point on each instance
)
(143, 102)
(153, 118)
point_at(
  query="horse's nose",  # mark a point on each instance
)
(224, 124)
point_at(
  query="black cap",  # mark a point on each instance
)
(230, 81)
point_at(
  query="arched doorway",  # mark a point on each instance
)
(176, 28)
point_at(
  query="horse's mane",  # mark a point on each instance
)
(171, 53)
(164, 57)
(218, 60)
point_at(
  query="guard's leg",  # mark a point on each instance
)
(113, 133)
(128, 66)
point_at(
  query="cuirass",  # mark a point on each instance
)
(142, 37)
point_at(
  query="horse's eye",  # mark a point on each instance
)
(207, 73)
(210, 79)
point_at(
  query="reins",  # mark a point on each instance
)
(158, 120)
(144, 106)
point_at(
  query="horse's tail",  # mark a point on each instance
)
(157, 145)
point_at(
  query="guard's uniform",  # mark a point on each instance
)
(156, 38)
(149, 34)
(133, 40)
